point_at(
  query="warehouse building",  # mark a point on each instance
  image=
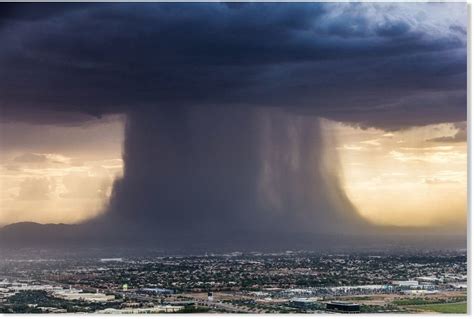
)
(343, 306)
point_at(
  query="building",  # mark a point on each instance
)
(458, 285)
(107, 260)
(79, 295)
(406, 283)
(17, 287)
(303, 303)
(183, 303)
(361, 289)
(130, 305)
(428, 279)
(343, 306)
(157, 291)
(156, 309)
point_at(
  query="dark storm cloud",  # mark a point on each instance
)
(223, 142)
(104, 58)
(13, 13)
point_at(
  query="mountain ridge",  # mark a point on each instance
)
(89, 235)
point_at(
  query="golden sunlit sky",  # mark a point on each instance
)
(58, 174)
(413, 177)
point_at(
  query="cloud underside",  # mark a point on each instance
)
(389, 66)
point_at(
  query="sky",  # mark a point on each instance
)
(414, 177)
(59, 174)
(244, 121)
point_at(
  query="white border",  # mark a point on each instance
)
(469, 199)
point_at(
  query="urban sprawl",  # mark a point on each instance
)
(287, 282)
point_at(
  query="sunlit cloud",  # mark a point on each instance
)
(352, 147)
(417, 184)
(61, 187)
(432, 157)
(371, 142)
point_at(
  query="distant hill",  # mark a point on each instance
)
(92, 235)
(53, 236)
(35, 234)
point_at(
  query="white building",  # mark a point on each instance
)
(458, 285)
(428, 279)
(106, 260)
(79, 295)
(406, 283)
(26, 287)
(419, 292)
(156, 309)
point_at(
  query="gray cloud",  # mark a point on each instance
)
(31, 158)
(459, 136)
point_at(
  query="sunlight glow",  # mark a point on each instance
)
(66, 177)
(413, 177)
